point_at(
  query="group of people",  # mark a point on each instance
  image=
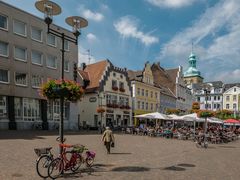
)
(215, 133)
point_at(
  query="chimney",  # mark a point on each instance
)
(83, 66)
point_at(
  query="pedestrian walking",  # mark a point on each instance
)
(108, 139)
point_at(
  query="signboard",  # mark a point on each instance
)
(92, 99)
(126, 112)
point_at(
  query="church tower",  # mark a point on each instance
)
(192, 75)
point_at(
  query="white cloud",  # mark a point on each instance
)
(216, 40)
(226, 75)
(171, 3)
(91, 37)
(95, 16)
(127, 26)
(85, 57)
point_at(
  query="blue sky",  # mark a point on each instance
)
(131, 32)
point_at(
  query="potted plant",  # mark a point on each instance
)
(100, 110)
(205, 113)
(115, 88)
(55, 89)
(122, 89)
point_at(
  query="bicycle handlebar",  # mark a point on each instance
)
(58, 139)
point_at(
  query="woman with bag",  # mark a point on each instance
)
(108, 139)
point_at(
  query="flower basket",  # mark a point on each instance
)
(100, 110)
(122, 89)
(205, 113)
(114, 88)
(55, 89)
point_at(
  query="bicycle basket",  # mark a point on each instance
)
(78, 148)
(40, 151)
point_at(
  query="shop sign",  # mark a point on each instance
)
(92, 99)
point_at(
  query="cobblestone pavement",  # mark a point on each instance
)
(134, 157)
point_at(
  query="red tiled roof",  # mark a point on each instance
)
(172, 73)
(93, 73)
(161, 78)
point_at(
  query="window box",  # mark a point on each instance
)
(100, 110)
(114, 88)
(122, 89)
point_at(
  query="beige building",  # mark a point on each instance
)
(107, 88)
(146, 96)
(231, 99)
(28, 57)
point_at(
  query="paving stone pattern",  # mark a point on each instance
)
(134, 157)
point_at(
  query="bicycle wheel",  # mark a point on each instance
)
(55, 168)
(89, 161)
(76, 161)
(42, 165)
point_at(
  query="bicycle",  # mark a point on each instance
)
(200, 142)
(45, 157)
(89, 155)
(37, 126)
(67, 160)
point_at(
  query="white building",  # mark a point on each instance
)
(106, 87)
(214, 99)
(231, 99)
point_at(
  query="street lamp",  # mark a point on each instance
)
(50, 9)
(206, 92)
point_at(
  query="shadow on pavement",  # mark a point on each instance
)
(186, 165)
(174, 168)
(37, 134)
(130, 169)
(103, 165)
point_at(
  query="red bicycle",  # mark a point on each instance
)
(67, 160)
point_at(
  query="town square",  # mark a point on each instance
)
(141, 89)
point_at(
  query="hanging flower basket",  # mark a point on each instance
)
(205, 113)
(55, 89)
(100, 110)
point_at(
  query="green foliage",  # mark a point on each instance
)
(54, 89)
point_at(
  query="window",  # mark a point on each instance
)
(18, 107)
(20, 53)
(227, 106)
(227, 98)
(234, 106)
(114, 83)
(218, 97)
(3, 22)
(151, 94)
(214, 106)
(66, 45)
(146, 106)
(234, 89)
(36, 34)
(31, 109)
(138, 91)
(114, 74)
(36, 81)
(142, 92)
(215, 97)
(156, 107)
(142, 105)
(21, 79)
(198, 99)
(156, 95)
(51, 62)
(3, 106)
(4, 76)
(147, 93)
(66, 66)
(121, 85)
(121, 101)
(151, 106)
(51, 40)
(139, 105)
(218, 106)
(37, 57)
(19, 28)
(209, 106)
(234, 97)
(3, 49)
